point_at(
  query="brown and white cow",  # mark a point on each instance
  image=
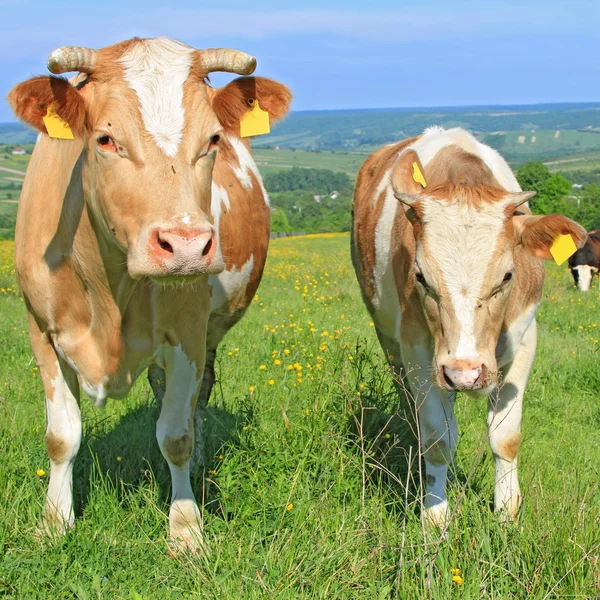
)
(585, 263)
(140, 242)
(451, 275)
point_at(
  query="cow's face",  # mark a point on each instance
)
(467, 269)
(583, 276)
(150, 126)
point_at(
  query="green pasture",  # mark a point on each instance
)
(306, 491)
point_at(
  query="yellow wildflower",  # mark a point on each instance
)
(40, 472)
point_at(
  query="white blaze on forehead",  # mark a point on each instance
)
(461, 241)
(157, 70)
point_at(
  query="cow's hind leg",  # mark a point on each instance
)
(175, 435)
(208, 381)
(63, 432)
(504, 425)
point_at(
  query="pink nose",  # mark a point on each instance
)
(183, 251)
(464, 379)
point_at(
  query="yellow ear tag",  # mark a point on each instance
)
(562, 248)
(255, 121)
(56, 126)
(418, 175)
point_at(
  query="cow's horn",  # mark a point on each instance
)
(72, 58)
(518, 198)
(230, 61)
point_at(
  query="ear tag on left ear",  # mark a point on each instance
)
(56, 126)
(418, 175)
(255, 121)
(562, 248)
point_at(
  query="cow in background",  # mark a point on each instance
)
(451, 274)
(585, 263)
(141, 241)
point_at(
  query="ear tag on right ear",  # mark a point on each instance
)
(562, 248)
(56, 126)
(418, 175)
(255, 121)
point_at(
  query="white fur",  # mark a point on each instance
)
(156, 70)
(585, 277)
(64, 423)
(228, 284)
(385, 299)
(436, 138)
(247, 166)
(463, 252)
(174, 422)
(509, 341)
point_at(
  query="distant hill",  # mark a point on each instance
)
(520, 133)
(500, 126)
(16, 133)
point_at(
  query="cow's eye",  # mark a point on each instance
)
(214, 140)
(105, 142)
(507, 277)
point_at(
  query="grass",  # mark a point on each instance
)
(304, 491)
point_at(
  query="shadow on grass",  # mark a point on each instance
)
(127, 455)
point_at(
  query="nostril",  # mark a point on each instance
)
(448, 380)
(207, 247)
(165, 245)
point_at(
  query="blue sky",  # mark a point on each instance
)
(350, 54)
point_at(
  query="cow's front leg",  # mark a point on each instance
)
(175, 435)
(63, 431)
(438, 431)
(504, 425)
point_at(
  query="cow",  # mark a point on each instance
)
(584, 264)
(447, 255)
(140, 241)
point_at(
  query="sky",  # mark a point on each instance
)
(343, 54)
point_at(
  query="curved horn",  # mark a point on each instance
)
(230, 61)
(72, 58)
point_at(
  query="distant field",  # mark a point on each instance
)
(305, 486)
(269, 160)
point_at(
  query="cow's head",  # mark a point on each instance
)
(582, 267)
(471, 243)
(149, 125)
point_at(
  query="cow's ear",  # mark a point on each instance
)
(31, 100)
(537, 233)
(407, 181)
(233, 100)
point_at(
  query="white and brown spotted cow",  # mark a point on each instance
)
(451, 275)
(140, 241)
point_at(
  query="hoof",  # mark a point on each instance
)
(436, 515)
(185, 527)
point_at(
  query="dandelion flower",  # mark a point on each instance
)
(289, 507)
(40, 472)
(263, 367)
(455, 571)
(458, 580)
(252, 388)
(271, 381)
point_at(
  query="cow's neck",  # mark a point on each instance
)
(114, 264)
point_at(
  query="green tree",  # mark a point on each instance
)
(551, 189)
(279, 221)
